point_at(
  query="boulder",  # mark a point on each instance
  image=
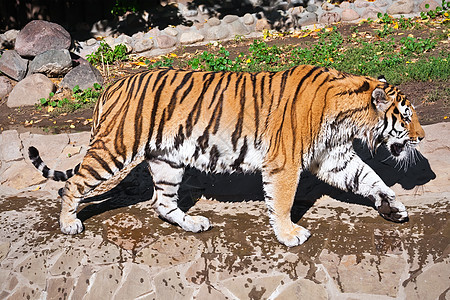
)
(51, 63)
(12, 65)
(349, 15)
(330, 18)
(142, 44)
(28, 91)
(5, 86)
(401, 7)
(237, 28)
(191, 37)
(371, 12)
(217, 33)
(213, 21)
(361, 3)
(248, 19)
(84, 75)
(165, 41)
(39, 36)
(308, 18)
(262, 24)
(170, 31)
(230, 18)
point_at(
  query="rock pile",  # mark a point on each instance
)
(42, 47)
(41, 50)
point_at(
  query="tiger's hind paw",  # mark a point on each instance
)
(73, 226)
(395, 211)
(297, 236)
(195, 223)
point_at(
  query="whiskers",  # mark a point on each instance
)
(411, 157)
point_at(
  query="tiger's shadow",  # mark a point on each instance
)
(137, 186)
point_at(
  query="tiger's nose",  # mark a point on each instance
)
(420, 138)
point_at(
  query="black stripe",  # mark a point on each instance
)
(174, 96)
(238, 128)
(213, 158)
(243, 152)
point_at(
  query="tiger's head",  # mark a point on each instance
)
(399, 128)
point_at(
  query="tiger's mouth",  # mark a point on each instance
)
(397, 148)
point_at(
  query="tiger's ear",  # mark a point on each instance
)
(380, 100)
(382, 78)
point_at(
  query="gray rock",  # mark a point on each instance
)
(51, 63)
(39, 36)
(262, 24)
(230, 18)
(10, 149)
(401, 7)
(8, 39)
(248, 19)
(165, 41)
(12, 65)
(143, 44)
(217, 33)
(371, 12)
(327, 6)
(345, 5)
(5, 86)
(213, 22)
(311, 8)
(170, 31)
(191, 37)
(329, 18)
(28, 91)
(361, 3)
(91, 42)
(349, 15)
(307, 18)
(296, 11)
(237, 27)
(381, 3)
(84, 75)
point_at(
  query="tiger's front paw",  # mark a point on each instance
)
(394, 211)
(195, 223)
(71, 226)
(297, 235)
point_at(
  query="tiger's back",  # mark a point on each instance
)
(278, 122)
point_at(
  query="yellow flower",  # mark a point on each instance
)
(173, 55)
(248, 61)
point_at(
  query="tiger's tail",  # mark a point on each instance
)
(35, 158)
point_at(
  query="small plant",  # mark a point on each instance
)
(105, 54)
(53, 102)
(164, 62)
(211, 62)
(416, 46)
(442, 10)
(387, 30)
(385, 19)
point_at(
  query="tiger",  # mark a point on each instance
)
(278, 123)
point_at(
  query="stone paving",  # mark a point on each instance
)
(126, 252)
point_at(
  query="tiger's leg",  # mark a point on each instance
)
(167, 177)
(93, 171)
(343, 168)
(280, 187)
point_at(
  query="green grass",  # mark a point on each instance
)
(403, 60)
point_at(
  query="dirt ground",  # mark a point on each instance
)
(431, 103)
